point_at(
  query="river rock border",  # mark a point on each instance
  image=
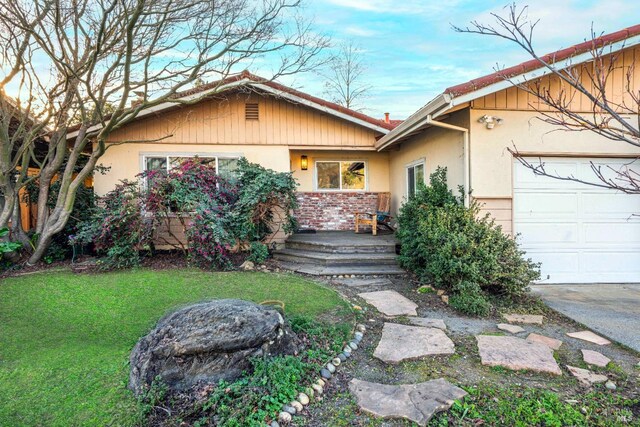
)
(317, 388)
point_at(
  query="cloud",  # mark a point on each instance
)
(358, 31)
(394, 6)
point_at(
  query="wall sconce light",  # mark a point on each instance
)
(304, 162)
(490, 121)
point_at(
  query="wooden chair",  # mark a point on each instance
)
(381, 217)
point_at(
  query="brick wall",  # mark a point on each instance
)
(332, 211)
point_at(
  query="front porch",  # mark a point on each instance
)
(336, 253)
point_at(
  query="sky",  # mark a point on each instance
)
(412, 54)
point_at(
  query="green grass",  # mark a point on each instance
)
(65, 338)
(522, 407)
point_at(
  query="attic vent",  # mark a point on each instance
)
(251, 111)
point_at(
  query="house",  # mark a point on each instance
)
(342, 159)
(579, 233)
(330, 149)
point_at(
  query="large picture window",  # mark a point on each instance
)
(224, 166)
(415, 176)
(341, 175)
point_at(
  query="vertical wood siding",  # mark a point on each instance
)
(223, 122)
(517, 99)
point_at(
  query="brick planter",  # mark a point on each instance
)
(332, 211)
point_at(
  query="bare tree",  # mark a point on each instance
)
(344, 79)
(85, 61)
(592, 80)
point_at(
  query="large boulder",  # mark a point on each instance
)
(208, 342)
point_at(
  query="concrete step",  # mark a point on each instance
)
(341, 247)
(335, 259)
(319, 270)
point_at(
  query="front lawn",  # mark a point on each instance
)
(65, 338)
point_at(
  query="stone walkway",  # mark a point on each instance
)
(415, 402)
(426, 337)
(402, 342)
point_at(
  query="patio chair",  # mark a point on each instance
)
(380, 218)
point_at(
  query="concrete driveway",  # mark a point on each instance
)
(611, 310)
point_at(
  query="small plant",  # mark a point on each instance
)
(468, 298)
(259, 252)
(257, 397)
(5, 245)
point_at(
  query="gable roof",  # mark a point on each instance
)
(269, 87)
(502, 79)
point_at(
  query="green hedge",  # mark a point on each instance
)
(457, 249)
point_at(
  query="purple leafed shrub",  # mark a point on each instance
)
(219, 216)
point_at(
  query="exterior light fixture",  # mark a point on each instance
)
(304, 162)
(490, 121)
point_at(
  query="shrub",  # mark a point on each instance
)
(468, 298)
(118, 228)
(219, 216)
(209, 239)
(453, 246)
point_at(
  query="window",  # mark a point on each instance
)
(251, 111)
(335, 175)
(162, 163)
(415, 176)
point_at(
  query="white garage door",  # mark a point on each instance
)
(580, 233)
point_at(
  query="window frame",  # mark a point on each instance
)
(340, 190)
(420, 162)
(188, 154)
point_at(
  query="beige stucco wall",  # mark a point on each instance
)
(376, 164)
(125, 161)
(492, 164)
(438, 147)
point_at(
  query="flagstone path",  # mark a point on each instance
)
(426, 337)
(390, 303)
(415, 402)
(586, 377)
(594, 358)
(589, 337)
(402, 342)
(428, 323)
(552, 343)
(516, 354)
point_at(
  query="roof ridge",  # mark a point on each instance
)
(295, 92)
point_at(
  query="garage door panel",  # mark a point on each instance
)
(607, 233)
(610, 169)
(525, 178)
(555, 262)
(536, 205)
(578, 232)
(548, 232)
(609, 204)
(616, 263)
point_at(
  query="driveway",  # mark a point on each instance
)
(612, 310)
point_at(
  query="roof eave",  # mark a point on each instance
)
(451, 100)
(434, 108)
(247, 83)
